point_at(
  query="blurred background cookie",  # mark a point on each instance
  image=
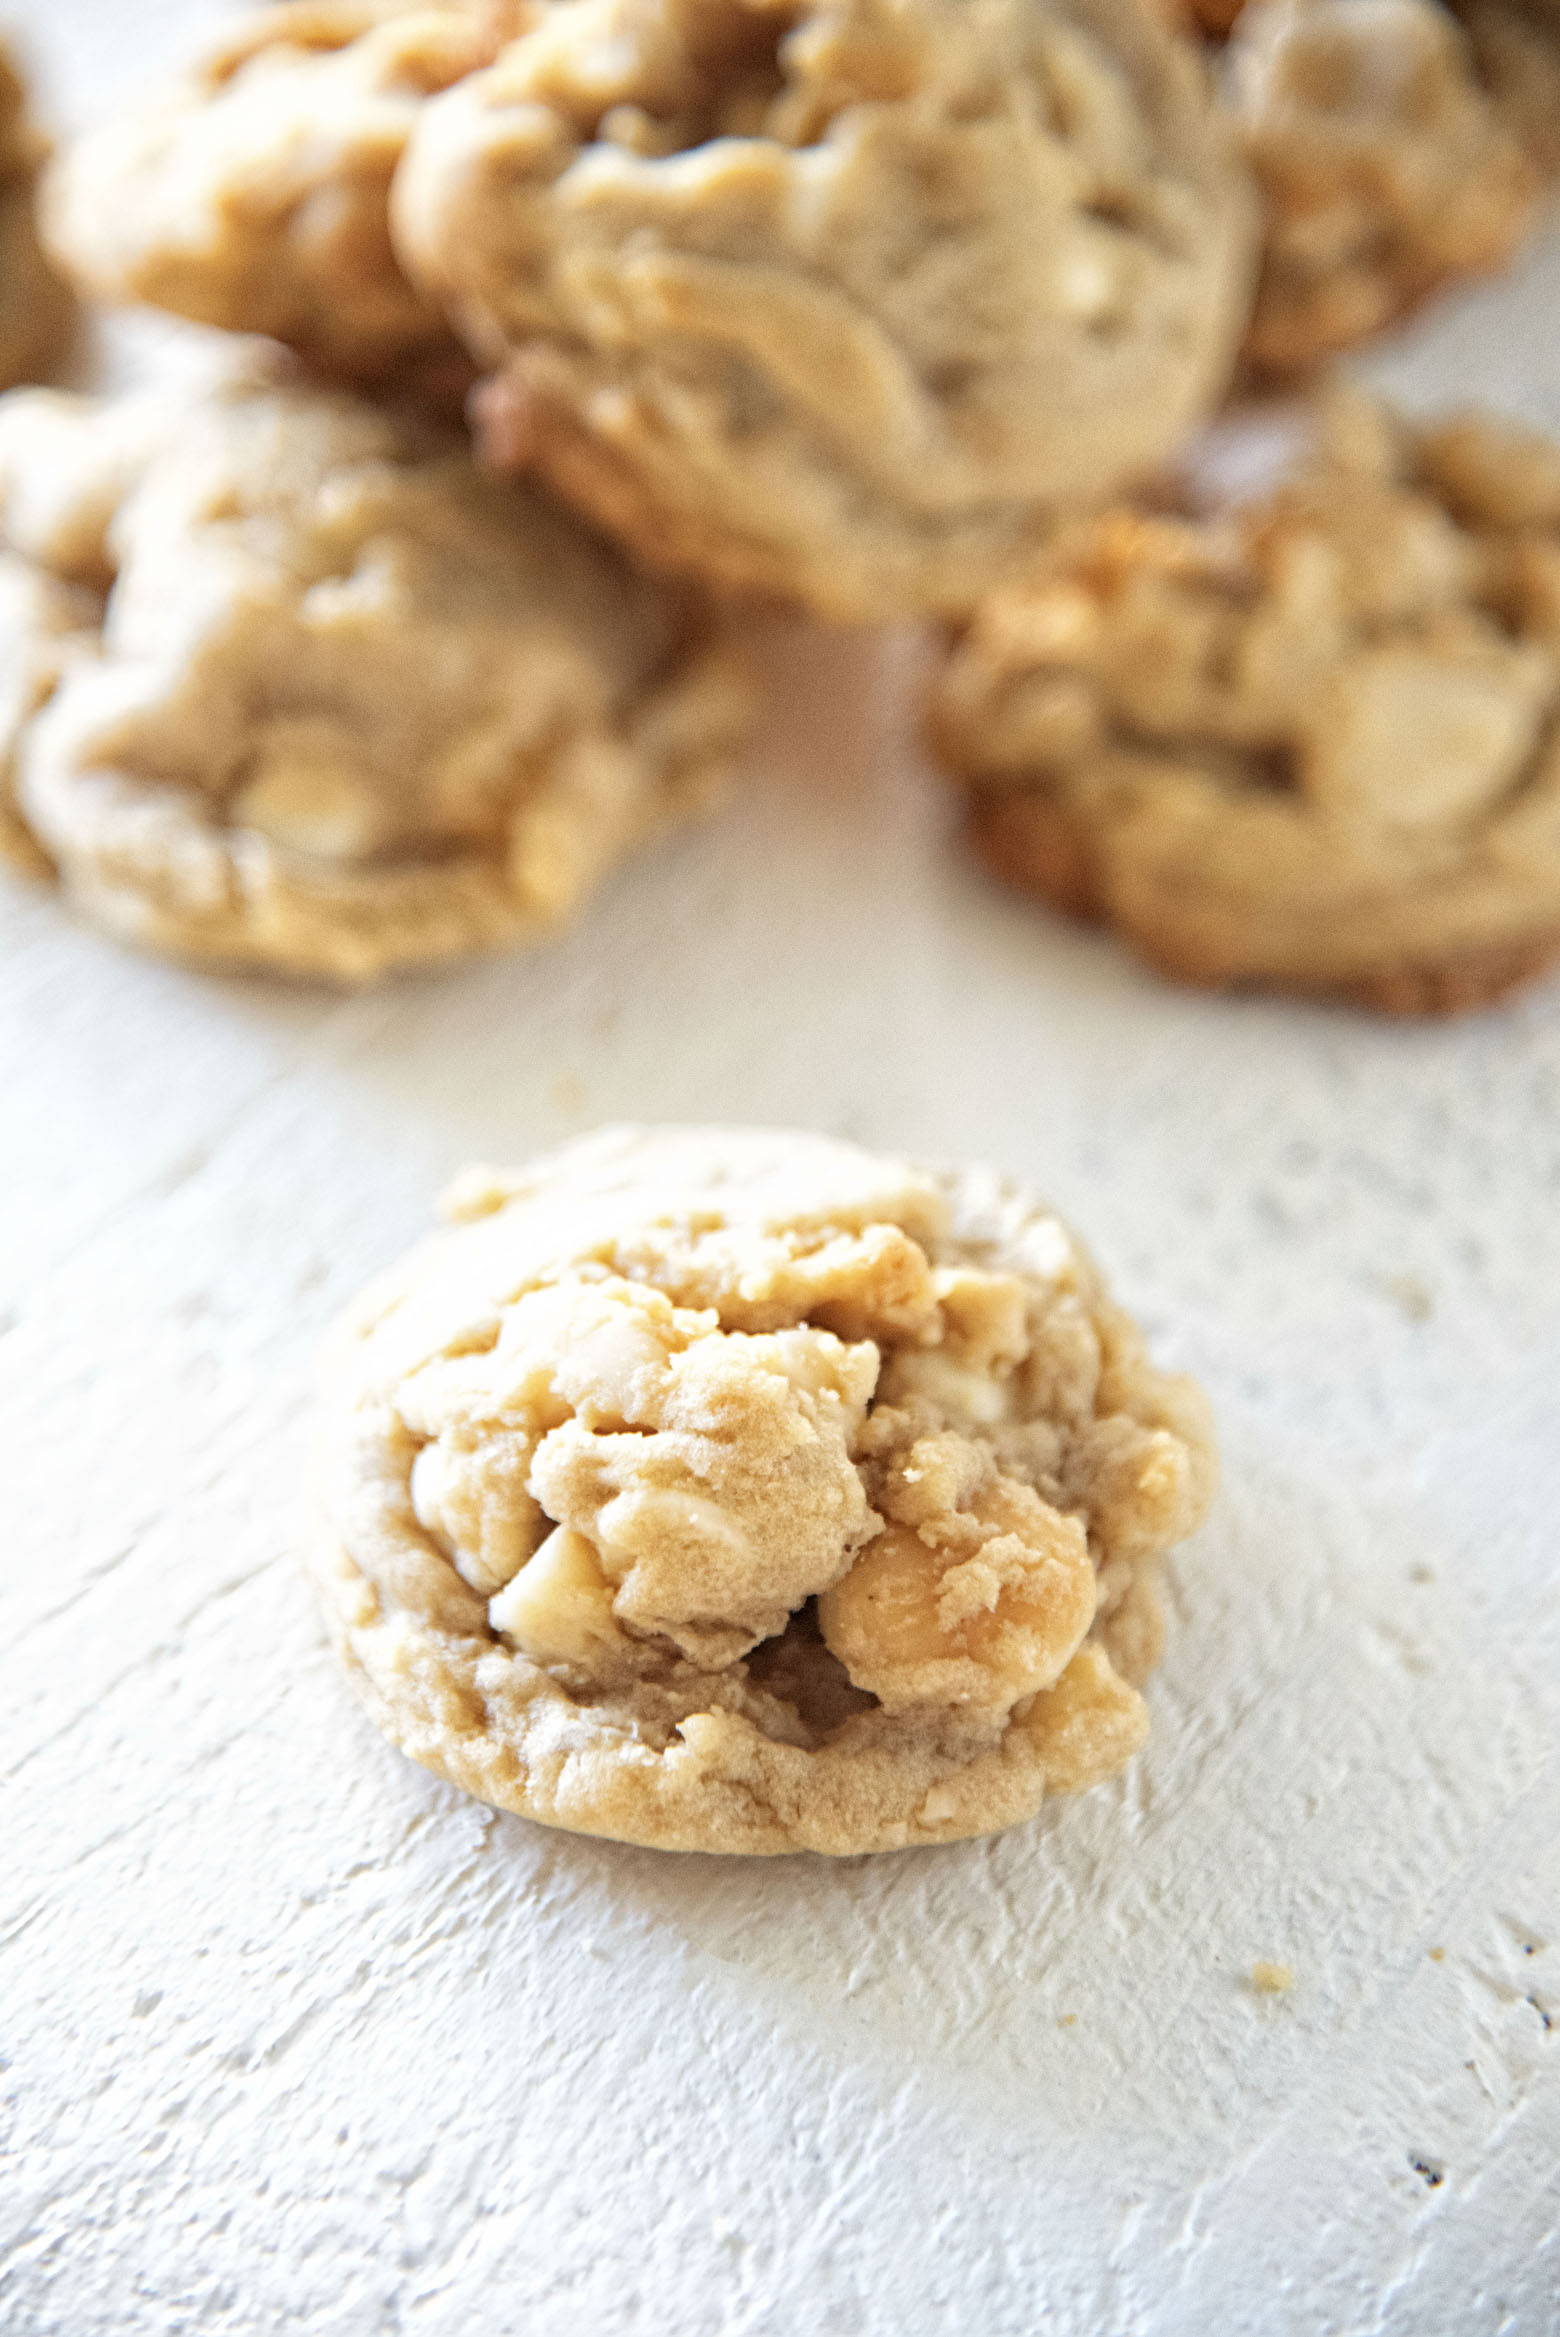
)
(1386, 168)
(834, 300)
(252, 193)
(341, 704)
(1517, 43)
(736, 1489)
(1311, 743)
(37, 313)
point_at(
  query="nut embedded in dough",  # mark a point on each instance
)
(1387, 171)
(297, 688)
(739, 1490)
(982, 1608)
(1310, 742)
(835, 300)
(253, 193)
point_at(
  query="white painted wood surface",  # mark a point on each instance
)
(294, 2037)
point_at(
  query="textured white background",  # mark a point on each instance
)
(295, 2037)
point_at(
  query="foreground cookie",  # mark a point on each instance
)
(830, 299)
(253, 194)
(737, 1490)
(36, 311)
(1311, 744)
(1387, 169)
(296, 688)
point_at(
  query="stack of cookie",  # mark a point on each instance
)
(836, 306)
(740, 1492)
(866, 306)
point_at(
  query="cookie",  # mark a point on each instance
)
(342, 704)
(1387, 169)
(833, 300)
(739, 1490)
(1517, 44)
(41, 620)
(1309, 743)
(253, 193)
(37, 313)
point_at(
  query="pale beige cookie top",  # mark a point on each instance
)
(37, 313)
(253, 192)
(341, 704)
(1312, 741)
(1387, 169)
(739, 1490)
(831, 299)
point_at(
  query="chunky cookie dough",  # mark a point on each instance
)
(738, 1490)
(1311, 743)
(1387, 170)
(253, 194)
(36, 311)
(833, 299)
(330, 701)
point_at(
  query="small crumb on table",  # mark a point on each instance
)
(1412, 1294)
(1272, 1979)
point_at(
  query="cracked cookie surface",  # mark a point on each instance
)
(253, 193)
(739, 1490)
(1310, 742)
(834, 300)
(296, 688)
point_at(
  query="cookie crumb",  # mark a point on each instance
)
(1412, 1295)
(1272, 1979)
(1438, 1955)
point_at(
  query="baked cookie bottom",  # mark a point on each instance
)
(513, 1737)
(1031, 842)
(827, 544)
